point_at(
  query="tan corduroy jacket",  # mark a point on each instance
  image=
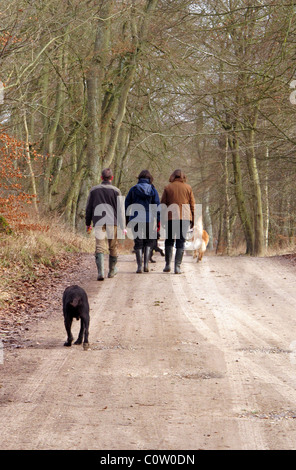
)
(179, 194)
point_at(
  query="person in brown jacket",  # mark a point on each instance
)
(179, 200)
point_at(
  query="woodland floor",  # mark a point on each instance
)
(201, 360)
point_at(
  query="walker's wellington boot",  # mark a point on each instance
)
(100, 266)
(168, 258)
(147, 253)
(178, 260)
(112, 266)
(139, 254)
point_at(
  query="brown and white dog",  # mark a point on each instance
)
(200, 240)
(201, 250)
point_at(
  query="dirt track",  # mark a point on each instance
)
(202, 360)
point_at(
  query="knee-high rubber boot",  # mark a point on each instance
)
(168, 258)
(112, 266)
(147, 253)
(178, 260)
(100, 266)
(139, 254)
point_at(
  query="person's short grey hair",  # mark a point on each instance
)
(107, 174)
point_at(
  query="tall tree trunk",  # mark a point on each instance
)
(94, 85)
(227, 199)
(266, 190)
(29, 162)
(258, 248)
(239, 194)
(49, 142)
(121, 153)
(70, 200)
(120, 115)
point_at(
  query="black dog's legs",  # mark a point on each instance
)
(159, 250)
(68, 324)
(80, 336)
(84, 327)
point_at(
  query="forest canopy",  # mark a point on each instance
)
(160, 84)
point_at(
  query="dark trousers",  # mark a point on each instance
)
(176, 230)
(141, 235)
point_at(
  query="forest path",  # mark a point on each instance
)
(201, 360)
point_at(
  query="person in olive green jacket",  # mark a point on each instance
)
(179, 199)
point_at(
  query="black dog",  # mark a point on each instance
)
(155, 248)
(75, 305)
